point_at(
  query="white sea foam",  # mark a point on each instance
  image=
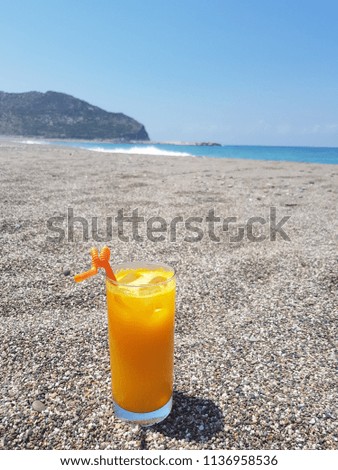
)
(35, 142)
(148, 150)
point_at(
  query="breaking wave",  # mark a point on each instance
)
(34, 142)
(145, 150)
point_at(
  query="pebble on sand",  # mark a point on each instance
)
(37, 405)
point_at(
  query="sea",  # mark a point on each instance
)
(328, 155)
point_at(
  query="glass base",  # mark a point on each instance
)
(144, 419)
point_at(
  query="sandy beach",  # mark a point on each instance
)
(256, 312)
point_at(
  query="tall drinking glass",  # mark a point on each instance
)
(141, 314)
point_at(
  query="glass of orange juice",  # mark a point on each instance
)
(141, 314)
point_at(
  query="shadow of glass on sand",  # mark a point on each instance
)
(192, 419)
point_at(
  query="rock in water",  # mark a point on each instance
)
(57, 115)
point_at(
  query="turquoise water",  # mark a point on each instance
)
(288, 154)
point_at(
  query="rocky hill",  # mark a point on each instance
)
(57, 115)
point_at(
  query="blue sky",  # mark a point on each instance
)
(259, 72)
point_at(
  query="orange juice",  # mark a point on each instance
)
(141, 310)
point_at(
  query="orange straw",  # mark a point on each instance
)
(104, 259)
(101, 261)
(82, 276)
